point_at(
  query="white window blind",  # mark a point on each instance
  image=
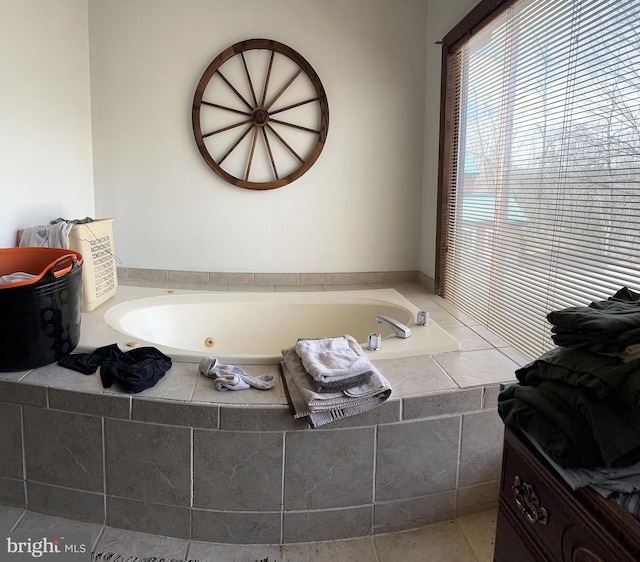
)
(541, 164)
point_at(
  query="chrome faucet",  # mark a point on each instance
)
(399, 329)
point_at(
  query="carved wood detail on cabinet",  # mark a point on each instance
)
(540, 519)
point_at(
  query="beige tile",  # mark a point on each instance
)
(139, 274)
(346, 287)
(401, 277)
(9, 517)
(158, 284)
(414, 375)
(442, 317)
(494, 340)
(480, 530)
(299, 288)
(322, 278)
(435, 543)
(469, 340)
(365, 277)
(351, 550)
(474, 368)
(188, 276)
(277, 278)
(131, 543)
(516, 355)
(231, 278)
(232, 552)
(202, 288)
(32, 523)
(477, 498)
(251, 288)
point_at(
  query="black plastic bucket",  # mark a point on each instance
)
(41, 317)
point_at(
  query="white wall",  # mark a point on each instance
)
(357, 209)
(442, 17)
(45, 127)
(369, 202)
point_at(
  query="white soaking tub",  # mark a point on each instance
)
(253, 327)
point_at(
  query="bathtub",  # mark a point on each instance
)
(253, 327)
(184, 460)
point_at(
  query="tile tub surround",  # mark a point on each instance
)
(183, 460)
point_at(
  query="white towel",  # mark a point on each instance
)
(323, 401)
(332, 359)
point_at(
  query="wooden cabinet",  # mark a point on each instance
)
(541, 519)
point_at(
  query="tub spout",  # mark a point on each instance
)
(399, 329)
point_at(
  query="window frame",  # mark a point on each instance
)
(480, 16)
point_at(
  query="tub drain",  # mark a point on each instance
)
(210, 342)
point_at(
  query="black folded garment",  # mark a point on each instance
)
(572, 427)
(88, 363)
(133, 371)
(606, 326)
(600, 375)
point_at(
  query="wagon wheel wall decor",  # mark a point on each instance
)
(260, 115)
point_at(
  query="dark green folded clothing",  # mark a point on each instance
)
(603, 326)
(596, 342)
(551, 425)
(598, 374)
(628, 393)
(572, 427)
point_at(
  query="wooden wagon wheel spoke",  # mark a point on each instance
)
(299, 127)
(234, 90)
(292, 106)
(246, 70)
(235, 144)
(218, 106)
(227, 128)
(284, 142)
(253, 149)
(271, 159)
(266, 80)
(283, 89)
(301, 148)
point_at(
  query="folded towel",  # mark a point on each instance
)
(342, 384)
(300, 408)
(332, 359)
(319, 401)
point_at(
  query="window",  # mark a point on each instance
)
(540, 161)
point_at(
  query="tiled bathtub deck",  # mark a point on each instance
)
(183, 460)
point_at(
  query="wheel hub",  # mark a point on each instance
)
(260, 117)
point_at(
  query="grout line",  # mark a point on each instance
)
(282, 490)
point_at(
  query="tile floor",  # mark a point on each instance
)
(468, 539)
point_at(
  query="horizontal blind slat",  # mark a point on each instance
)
(542, 164)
